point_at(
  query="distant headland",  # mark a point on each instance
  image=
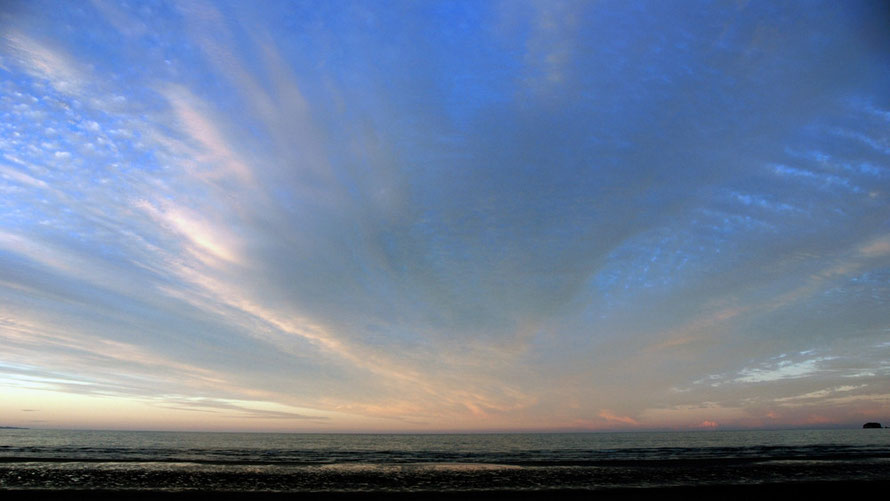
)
(872, 425)
(12, 428)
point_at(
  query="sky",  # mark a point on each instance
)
(444, 216)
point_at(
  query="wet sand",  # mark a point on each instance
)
(783, 491)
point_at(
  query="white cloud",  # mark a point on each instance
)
(784, 369)
(47, 62)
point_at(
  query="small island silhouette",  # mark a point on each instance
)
(872, 425)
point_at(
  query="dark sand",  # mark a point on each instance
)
(797, 491)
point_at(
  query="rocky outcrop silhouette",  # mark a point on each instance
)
(872, 425)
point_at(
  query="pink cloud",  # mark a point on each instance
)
(612, 417)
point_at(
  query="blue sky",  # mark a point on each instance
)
(441, 216)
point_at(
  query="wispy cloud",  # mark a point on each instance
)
(43, 61)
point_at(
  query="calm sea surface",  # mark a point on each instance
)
(55, 459)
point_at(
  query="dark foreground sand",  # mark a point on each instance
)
(796, 491)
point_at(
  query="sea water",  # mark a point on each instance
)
(58, 459)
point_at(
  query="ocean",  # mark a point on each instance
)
(263, 462)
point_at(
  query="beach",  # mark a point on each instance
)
(794, 490)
